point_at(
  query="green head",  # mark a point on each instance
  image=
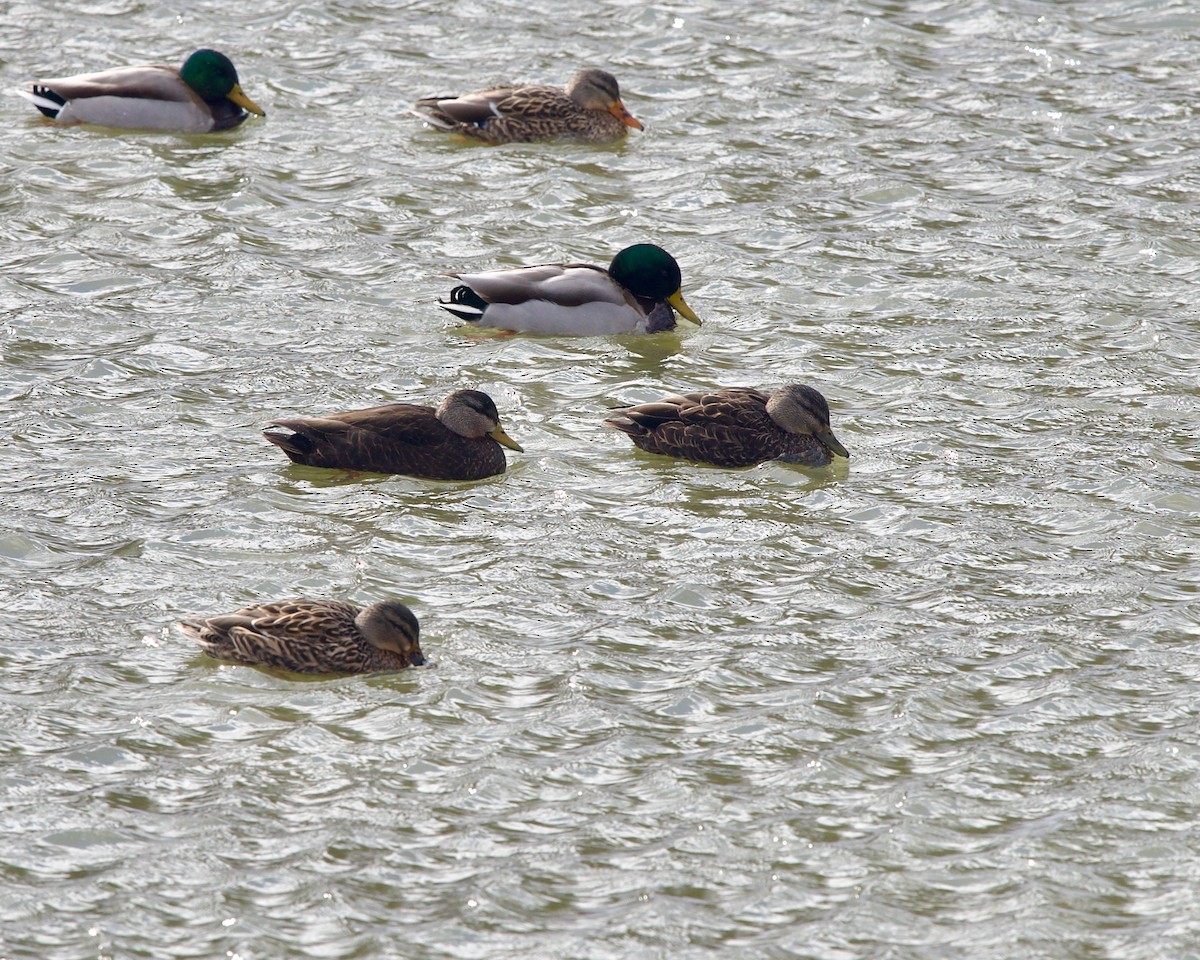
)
(647, 270)
(213, 76)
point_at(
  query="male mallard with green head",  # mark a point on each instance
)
(201, 96)
(640, 292)
(313, 636)
(735, 427)
(589, 109)
(460, 440)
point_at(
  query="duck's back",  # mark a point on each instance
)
(522, 113)
(727, 428)
(299, 636)
(394, 438)
(576, 299)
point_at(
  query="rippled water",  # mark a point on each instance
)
(940, 699)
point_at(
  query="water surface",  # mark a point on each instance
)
(937, 699)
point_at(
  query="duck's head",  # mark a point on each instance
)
(390, 625)
(598, 90)
(798, 408)
(472, 414)
(213, 76)
(647, 270)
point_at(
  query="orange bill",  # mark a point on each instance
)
(618, 110)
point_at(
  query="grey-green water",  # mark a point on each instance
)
(941, 700)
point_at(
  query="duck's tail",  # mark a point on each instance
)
(465, 304)
(45, 99)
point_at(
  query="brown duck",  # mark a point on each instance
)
(735, 427)
(460, 440)
(313, 636)
(589, 109)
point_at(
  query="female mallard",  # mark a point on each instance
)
(736, 427)
(201, 96)
(635, 294)
(313, 636)
(460, 440)
(589, 109)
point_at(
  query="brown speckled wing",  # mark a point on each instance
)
(740, 407)
(537, 103)
(394, 438)
(398, 423)
(727, 428)
(257, 634)
(302, 636)
(297, 618)
(517, 114)
(522, 114)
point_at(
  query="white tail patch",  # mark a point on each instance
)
(42, 103)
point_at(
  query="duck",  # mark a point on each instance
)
(201, 96)
(588, 109)
(735, 426)
(640, 292)
(313, 636)
(459, 440)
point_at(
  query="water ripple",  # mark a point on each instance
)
(934, 700)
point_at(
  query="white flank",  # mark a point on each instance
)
(542, 316)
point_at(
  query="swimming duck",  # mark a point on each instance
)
(313, 636)
(460, 440)
(735, 427)
(201, 96)
(635, 294)
(589, 109)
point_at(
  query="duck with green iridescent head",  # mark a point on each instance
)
(640, 292)
(201, 96)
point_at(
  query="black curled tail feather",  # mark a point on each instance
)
(465, 304)
(45, 93)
